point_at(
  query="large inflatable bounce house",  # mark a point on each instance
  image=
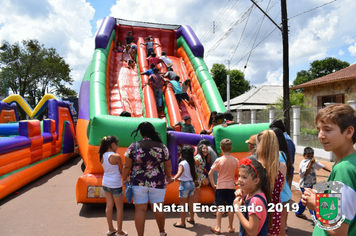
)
(31, 148)
(109, 87)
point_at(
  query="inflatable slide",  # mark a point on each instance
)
(110, 86)
(31, 148)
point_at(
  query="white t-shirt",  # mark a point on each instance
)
(112, 175)
(166, 61)
(310, 179)
(186, 175)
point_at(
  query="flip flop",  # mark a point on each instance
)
(124, 234)
(111, 232)
(215, 230)
(179, 226)
(191, 222)
(302, 216)
(232, 230)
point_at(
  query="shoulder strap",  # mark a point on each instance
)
(260, 197)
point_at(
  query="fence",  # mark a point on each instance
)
(308, 133)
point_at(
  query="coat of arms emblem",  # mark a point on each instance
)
(328, 205)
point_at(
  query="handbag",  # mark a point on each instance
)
(128, 186)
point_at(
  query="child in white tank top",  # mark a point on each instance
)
(112, 184)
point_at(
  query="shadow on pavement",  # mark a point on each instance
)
(42, 179)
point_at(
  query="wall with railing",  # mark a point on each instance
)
(303, 128)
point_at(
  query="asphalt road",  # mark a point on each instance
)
(47, 206)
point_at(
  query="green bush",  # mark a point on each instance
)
(307, 131)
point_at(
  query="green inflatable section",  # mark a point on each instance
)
(97, 99)
(210, 90)
(238, 135)
(122, 127)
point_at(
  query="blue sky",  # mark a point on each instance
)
(317, 29)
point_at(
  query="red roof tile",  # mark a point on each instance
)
(347, 73)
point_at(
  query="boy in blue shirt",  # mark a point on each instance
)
(177, 88)
(336, 125)
(149, 71)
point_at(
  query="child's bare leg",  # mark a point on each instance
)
(190, 205)
(218, 220)
(231, 221)
(182, 201)
(109, 210)
(119, 213)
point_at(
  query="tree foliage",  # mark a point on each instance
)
(295, 99)
(238, 84)
(320, 68)
(39, 71)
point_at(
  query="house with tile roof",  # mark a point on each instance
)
(257, 98)
(337, 87)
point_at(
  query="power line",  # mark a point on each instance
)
(254, 47)
(243, 17)
(226, 11)
(312, 9)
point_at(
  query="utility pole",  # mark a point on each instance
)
(228, 85)
(284, 30)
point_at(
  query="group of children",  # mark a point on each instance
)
(261, 179)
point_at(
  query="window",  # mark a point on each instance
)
(335, 98)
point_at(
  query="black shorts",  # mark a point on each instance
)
(179, 97)
(224, 196)
(185, 96)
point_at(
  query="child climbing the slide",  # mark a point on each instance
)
(156, 82)
(177, 89)
(112, 184)
(149, 46)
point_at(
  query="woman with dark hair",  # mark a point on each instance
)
(212, 117)
(286, 193)
(150, 173)
(201, 159)
(213, 155)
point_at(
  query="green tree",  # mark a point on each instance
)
(40, 70)
(295, 98)
(319, 68)
(238, 84)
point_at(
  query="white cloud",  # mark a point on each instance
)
(55, 23)
(274, 78)
(67, 26)
(352, 50)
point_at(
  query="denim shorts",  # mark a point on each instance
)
(116, 192)
(142, 194)
(223, 196)
(186, 189)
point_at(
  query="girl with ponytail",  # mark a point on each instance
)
(112, 184)
(268, 154)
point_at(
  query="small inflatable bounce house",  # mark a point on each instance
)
(110, 86)
(31, 148)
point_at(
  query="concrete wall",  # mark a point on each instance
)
(345, 87)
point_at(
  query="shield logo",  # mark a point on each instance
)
(328, 207)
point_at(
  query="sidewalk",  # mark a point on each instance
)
(321, 175)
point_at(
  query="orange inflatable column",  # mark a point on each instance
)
(32, 130)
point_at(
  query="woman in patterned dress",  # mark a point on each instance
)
(150, 174)
(268, 154)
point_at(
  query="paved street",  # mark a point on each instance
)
(47, 206)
